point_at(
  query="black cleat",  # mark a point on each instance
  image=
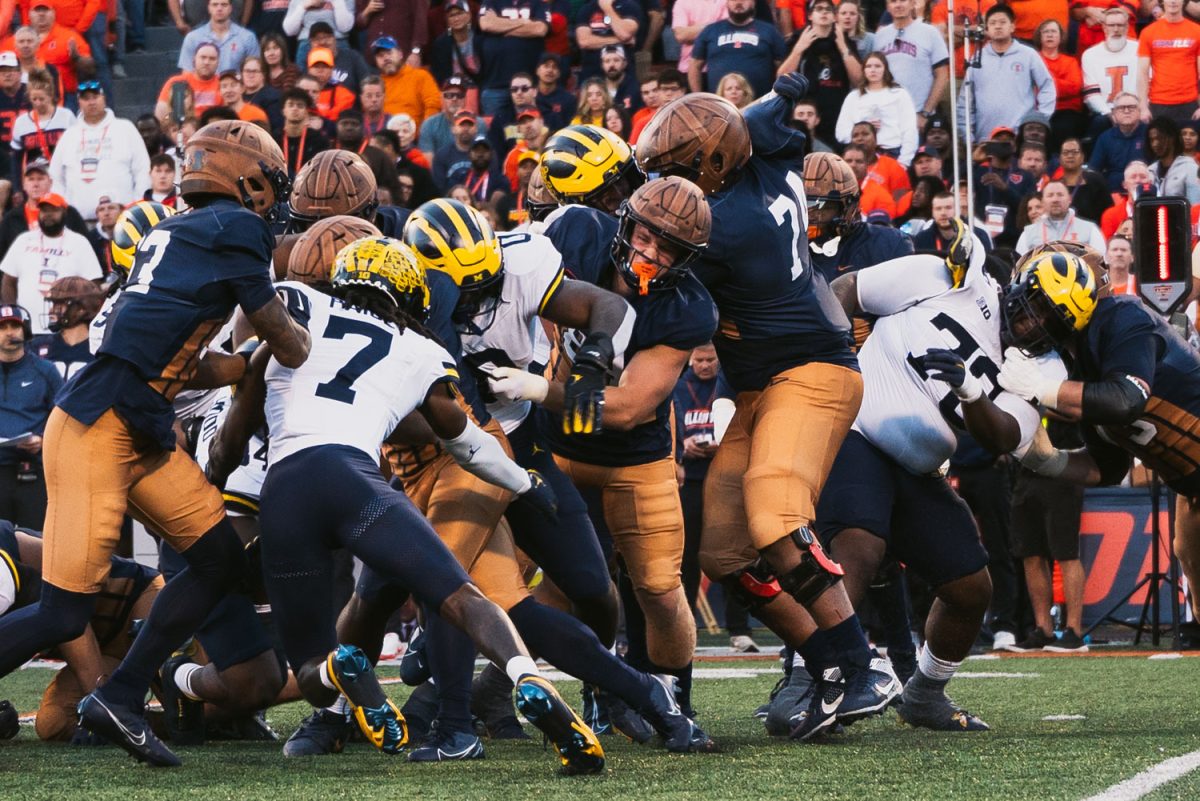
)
(247, 728)
(595, 710)
(492, 704)
(414, 666)
(625, 720)
(940, 714)
(10, 721)
(817, 712)
(322, 732)
(447, 746)
(789, 699)
(679, 733)
(126, 727)
(183, 717)
(578, 748)
(869, 692)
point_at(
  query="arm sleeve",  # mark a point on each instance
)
(770, 134)
(900, 283)
(252, 291)
(480, 454)
(1026, 415)
(1114, 462)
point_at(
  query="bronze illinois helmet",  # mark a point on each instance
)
(238, 160)
(675, 211)
(312, 257)
(334, 182)
(700, 137)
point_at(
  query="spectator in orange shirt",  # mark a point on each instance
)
(1068, 119)
(650, 104)
(88, 18)
(874, 196)
(672, 85)
(203, 81)
(333, 98)
(62, 48)
(1169, 65)
(533, 134)
(406, 89)
(1032, 13)
(1137, 178)
(232, 93)
(882, 168)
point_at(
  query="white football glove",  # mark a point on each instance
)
(513, 384)
(1024, 376)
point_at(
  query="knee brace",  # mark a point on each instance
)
(815, 573)
(755, 586)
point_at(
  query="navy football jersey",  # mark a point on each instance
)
(1167, 435)
(776, 311)
(67, 359)
(390, 220)
(865, 246)
(682, 317)
(188, 275)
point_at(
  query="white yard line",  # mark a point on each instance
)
(1150, 779)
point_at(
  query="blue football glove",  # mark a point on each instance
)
(540, 497)
(948, 366)
(793, 86)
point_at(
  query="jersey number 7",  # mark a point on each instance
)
(340, 387)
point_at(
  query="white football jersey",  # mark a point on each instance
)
(512, 334)
(246, 480)
(362, 377)
(909, 416)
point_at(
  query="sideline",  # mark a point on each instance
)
(1150, 779)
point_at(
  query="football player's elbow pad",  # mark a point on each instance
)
(1117, 401)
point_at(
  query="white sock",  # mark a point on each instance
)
(933, 668)
(324, 673)
(183, 679)
(340, 707)
(520, 666)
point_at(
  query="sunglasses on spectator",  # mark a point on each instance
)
(522, 88)
(454, 95)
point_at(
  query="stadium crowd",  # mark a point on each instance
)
(1075, 108)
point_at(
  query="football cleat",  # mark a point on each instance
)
(247, 728)
(940, 714)
(322, 732)
(10, 721)
(817, 712)
(414, 667)
(625, 720)
(869, 692)
(791, 699)
(492, 704)
(679, 733)
(447, 746)
(183, 717)
(595, 710)
(126, 727)
(578, 748)
(377, 717)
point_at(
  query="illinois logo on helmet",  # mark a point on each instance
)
(591, 166)
(131, 227)
(1051, 300)
(388, 265)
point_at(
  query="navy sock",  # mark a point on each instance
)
(574, 648)
(636, 653)
(451, 656)
(849, 643)
(818, 654)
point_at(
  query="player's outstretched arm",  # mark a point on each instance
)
(578, 304)
(994, 429)
(245, 416)
(288, 339)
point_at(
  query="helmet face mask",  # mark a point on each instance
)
(832, 194)
(73, 301)
(670, 217)
(1050, 302)
(1028, 323)
(476, 309)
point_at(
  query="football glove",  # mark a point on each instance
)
(948, 366)
(583, 396)
(10, 721)
(792, 86)
(1022, 376)
(515, 384)
(540, 496)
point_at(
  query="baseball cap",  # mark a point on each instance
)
(37, 165)
(926, 150)
(454, 82)
(9, 59)
(384, 43)
(11, 311)
(237, 76)
(938, 121)
(350, 114)
(1001, 129)
(612, 49)
(528, 111)
(465, 116)
(528, 155)
(548, 56)
(458, 5)
(318, 28)
(320, 55)
(814, 3)
(90, 86)
(53, 199)
(481, 140)
(879, 217)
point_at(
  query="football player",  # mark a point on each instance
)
(370, 368)
(786, 347)
(590, 166)
(337, 182)
(74, 303)
(929, 369)
(1134, 385)
(111, 444)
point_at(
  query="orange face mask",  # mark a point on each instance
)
(646, 272)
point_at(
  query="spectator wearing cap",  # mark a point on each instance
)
(349, 67)
(556, 103)
(370, 100)
(999, 185)
(352, 136)
(456, 52)
(303, 14)
(823, 54)
(512, 35)
(406, 89)
(888, 108)
(202, 80)
(407, 21)
(605, 22)
(35, 184)
(621, 83)
(688, 18)
(511, 208)
(298, 139)
(233, 41)
(101, 154)
(28, 385)
(333, 98)
(1011, 80)
(35, 133)
(483, 178)
(61, 47)
(1123, 143)
(438, 131)
(234, 98)
(533, 132)
(740, 43)
(39, 258)
(257, 91)
(917, 56)
(14, 101)
(454, 159)
(927, 161)
(1034, 129)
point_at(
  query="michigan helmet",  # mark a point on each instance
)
(538, 200)
(1090, 256)
(676, 211)
(1052, 299)
(334, 182)
(133, 224)
(238, 160)
(832, 193)
(452, 237)
(311, 258)
(700, 137)
(79, 298)
(388, 265)
(589, 165)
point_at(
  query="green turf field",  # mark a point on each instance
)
(1138, 712)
